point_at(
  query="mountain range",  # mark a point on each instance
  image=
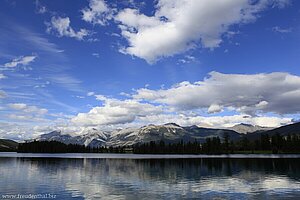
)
(170, 133)
(90, 137)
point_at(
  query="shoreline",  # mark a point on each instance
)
(143, 156)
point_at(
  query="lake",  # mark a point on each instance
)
(127, 176)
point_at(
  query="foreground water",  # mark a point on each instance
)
(111, 176)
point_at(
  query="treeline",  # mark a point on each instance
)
(171, 148)
(211, 146)
(276, 144)
(266, 144)
(59, 147)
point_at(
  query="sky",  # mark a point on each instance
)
(72, 65)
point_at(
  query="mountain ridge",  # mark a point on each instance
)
(169, 132)
(248, 128)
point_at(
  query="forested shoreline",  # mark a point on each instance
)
(265, 144)
(59, 147)
(275, 144)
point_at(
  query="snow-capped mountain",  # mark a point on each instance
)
(88, 137)
(93, 137)
(248, 128)
(129, 136)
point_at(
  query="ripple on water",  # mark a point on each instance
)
(152, 179)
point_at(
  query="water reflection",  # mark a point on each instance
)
(149, 179)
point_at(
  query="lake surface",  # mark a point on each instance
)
(123, 176)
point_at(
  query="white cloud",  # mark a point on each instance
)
(281, 30)
(90, 94)
(27, 109)
(215, 121)
(26, 117)
(61, 27)
(97, 12)
(115, 111)
(21, 130)
(2, 76)
(22, 61)
(253, 97)
(180, 25)
(214, 108)
(187, 59)
(274, 92)
(262, 104)
(18, 106)
(97, 55)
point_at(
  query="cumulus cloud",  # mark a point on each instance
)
(11, 130)
(27, 109)
(258, 99)
(180, 25)
(61, 27)
(22, 61)
(97, 12)
(23, 131)
(273, 92)
(115, 111)
(214, 108)
(216, 121)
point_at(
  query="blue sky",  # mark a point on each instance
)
(111, 64)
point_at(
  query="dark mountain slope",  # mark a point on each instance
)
(8, 145)
(283, 130)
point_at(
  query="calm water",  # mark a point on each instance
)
(134, 177)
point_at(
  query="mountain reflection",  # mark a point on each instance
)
(152, 178)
